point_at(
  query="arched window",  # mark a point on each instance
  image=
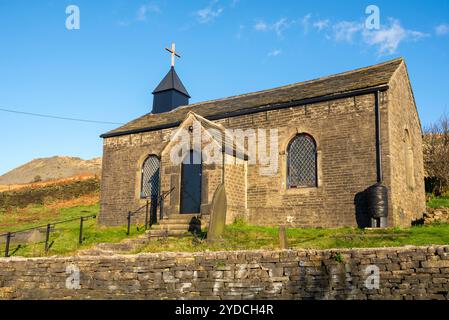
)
(150, 177)
(302, 162)
(408, 156)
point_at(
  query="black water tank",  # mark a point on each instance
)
(378, 201)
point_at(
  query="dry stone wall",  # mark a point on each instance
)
(437, 215)
(386, 273)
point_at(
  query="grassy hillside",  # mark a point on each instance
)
(64, 236)
(46, 203)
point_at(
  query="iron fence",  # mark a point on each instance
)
(151, 206)
(151, 217)
(49, 228)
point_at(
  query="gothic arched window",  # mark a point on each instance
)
(150, 177)
(302, 162)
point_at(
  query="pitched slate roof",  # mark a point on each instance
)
(333, 85)
(171, 81)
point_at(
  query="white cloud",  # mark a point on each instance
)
(388, 38)
(261, 26)
(209, 13)
(305, 21)
(275, 53)
(346, 30)
(278, 27)
(442, 29)
(321, 24)
(144, 10)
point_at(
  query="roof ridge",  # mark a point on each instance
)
(294, 84)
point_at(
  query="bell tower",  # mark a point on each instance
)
(170, 93)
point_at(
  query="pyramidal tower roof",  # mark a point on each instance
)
(171, 82)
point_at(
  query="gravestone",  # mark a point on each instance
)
(218, 214)
(283, 244)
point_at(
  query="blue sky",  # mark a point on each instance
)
(107, 69)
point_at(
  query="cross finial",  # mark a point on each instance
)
(173, 54)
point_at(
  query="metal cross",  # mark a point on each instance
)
(173, 54)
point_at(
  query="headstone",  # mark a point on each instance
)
(35, 236)
(283, 238)
(218, 214)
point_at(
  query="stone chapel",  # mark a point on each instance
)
(335, 137)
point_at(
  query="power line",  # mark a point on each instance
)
(56, 117)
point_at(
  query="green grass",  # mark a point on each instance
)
(438, 202)
(65, 236)
(240, 236)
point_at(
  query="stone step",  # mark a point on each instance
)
(174, 221)
(169, 233)
(96, 252)
(183, 217)
(170, 227)
(115, 246)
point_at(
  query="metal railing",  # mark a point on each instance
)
(150, 207)
(133, 213)
(48, 229)
(151, 218)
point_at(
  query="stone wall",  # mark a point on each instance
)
(235, 181)
(436, 215)
(123, 158)
(387, 273)
(344, 131)
(405, 154)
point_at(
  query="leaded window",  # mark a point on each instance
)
(302, 162)
(150, 177)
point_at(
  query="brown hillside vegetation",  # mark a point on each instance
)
(49, 193)
(54, 168)
(38, 185)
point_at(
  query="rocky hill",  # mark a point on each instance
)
(53, 168)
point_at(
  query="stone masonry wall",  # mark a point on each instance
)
(407, 195)
(235, 182)
(387, 273)
(123, 158)
(344, 131)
